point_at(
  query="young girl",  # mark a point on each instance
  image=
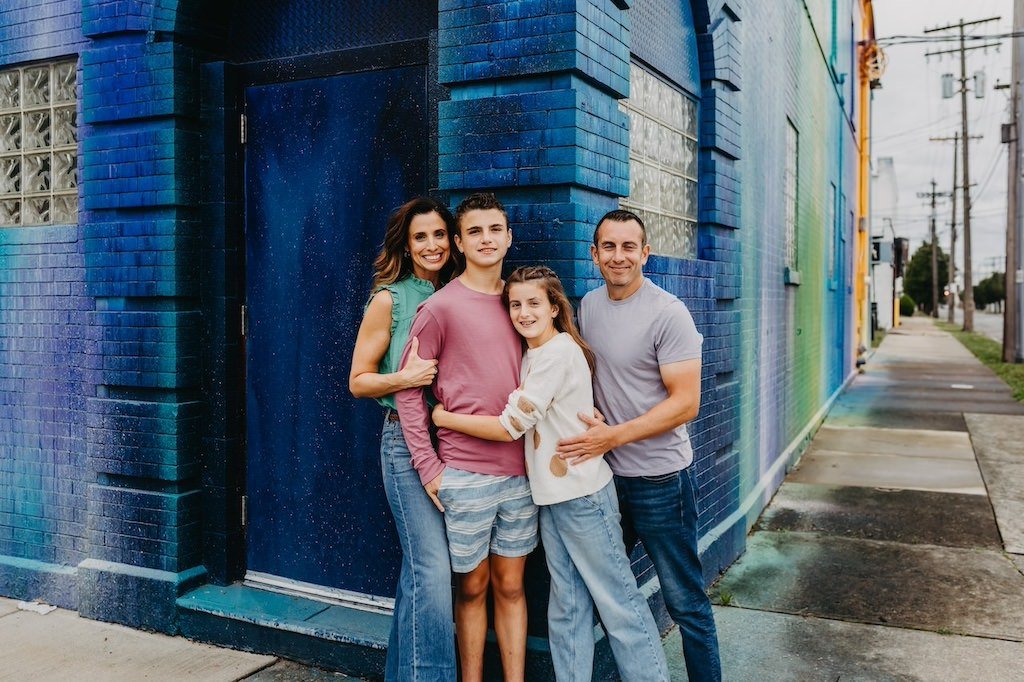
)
(579, 514)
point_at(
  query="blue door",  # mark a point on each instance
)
(326, 160)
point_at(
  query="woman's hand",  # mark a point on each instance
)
(438, 415)
(418, 372)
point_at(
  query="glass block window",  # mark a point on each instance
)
(39, 144)
(789, 190)
(662, 163)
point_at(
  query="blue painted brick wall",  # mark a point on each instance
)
(144, 528)
(134, 167)
(143, 439)
(119, 16)
(140, 151)
(42, 387)
(568, 135)
(489, 40)
(138, 79)
(31, 30)
(43, 380)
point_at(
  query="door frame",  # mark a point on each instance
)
(417, 52)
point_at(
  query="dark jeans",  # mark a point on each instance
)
(662, 512)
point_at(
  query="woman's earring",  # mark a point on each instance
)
(406, 254)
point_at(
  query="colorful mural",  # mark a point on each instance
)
(125, 470)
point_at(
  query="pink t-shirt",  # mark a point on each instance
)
(479, 355)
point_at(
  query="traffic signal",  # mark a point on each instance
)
(901, 247)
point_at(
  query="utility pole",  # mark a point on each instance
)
(1013, 312)
(965, 136)
(933, 195)
(951, 308)
(1010, 138)
(955, 139)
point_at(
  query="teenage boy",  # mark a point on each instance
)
(480, 485)
(647, 384)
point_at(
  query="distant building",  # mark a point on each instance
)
(191, 195)
(886, 288)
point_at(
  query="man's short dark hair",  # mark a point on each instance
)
(621, 215)
(479, 201)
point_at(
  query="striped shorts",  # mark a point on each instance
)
(486, 514)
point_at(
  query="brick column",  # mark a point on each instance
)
(719, 50)
(534, 117)
(139, 158)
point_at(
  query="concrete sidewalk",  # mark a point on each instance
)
(894, 550)
(59, 645)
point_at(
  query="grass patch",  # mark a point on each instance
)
(991, 354)
(725, 597)
(879, 337)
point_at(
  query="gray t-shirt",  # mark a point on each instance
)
(632, 338)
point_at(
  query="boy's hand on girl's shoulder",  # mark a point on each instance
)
(432, 487)
(597, 440)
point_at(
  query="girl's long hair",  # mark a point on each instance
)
(393, 263)
(548, 280)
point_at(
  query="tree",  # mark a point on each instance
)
(907, 306)
(917, 278)
(991, 290)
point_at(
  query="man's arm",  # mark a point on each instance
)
(682, 381)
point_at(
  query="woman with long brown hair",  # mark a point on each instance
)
(415, 261)
(579, 510)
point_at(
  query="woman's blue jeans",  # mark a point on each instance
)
(662, 512)
(422, 642)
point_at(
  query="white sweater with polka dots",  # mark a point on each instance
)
(555, 387)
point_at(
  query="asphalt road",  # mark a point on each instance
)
(985, 322)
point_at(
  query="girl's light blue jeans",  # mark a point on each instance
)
(589, 566)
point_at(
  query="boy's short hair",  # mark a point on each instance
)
(479, 201)
(621, 215)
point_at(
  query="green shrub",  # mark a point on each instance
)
(907, 306)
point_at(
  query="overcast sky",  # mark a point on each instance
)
(909, 109)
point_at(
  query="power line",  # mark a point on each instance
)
(962, 51)
(991, 172)
(915, 130)
(897, 40)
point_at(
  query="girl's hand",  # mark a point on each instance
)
(438, 415)
(418, 372)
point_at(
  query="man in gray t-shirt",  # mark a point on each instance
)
(647, 384)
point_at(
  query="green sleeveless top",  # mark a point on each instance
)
(406, 296)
